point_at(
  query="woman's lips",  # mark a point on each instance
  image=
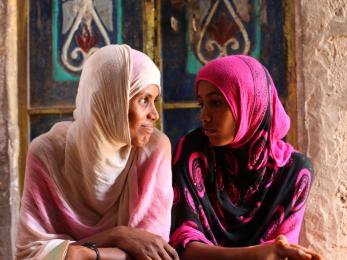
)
(148, 128)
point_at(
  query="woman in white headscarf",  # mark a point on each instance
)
(99, 187)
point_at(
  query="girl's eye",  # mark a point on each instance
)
(216, 103)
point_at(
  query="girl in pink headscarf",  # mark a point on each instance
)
(239, 190)
(99, 187)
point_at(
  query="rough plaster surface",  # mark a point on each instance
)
(5, 208)
(322, 53)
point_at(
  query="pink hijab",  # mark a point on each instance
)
(250, 91)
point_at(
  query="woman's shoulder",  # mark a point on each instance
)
(51, 142)
(158, 141)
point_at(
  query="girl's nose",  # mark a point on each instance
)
(204, 116)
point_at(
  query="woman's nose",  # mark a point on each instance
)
(153, 113)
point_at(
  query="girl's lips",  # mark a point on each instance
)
(209, 131)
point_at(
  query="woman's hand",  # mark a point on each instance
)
(130, 242)
(281, 249)
(76, 252)
(141, 244)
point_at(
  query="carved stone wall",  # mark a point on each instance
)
(322, 72)
(5, 208)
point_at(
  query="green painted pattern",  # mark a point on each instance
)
(119, 21)
(193, 64)
(59, 74)
(256, 51)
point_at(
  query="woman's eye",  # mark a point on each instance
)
(143, 101)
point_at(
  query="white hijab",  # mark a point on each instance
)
(98, 151)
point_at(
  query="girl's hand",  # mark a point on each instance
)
(281, 249)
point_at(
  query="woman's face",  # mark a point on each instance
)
(218, 122)
(142, 115)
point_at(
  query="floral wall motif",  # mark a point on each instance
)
(80, 27)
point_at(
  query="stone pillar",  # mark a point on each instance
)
(9, 199)
(321, 48)
(5, 208)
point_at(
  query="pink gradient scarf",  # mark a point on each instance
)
(244, 83)
(84, 177)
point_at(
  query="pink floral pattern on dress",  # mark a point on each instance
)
(269, 177)
(274, 223)
(220, 182)
(250, 193)
(187, 232)
(258, 154)
(178, 150)
(302, 188)
(197, 171)
(176, 194)
(232, 163)
(189, 200)
(220, 212)
(203, 218)
(234, 193)
(249, 216)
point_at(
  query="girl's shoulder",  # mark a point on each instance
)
(192, 142)
(196, 139)
(300, 161)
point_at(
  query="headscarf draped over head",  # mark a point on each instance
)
(251, 93)
(84, 177)
(110, 78)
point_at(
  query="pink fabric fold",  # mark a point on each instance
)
(46, 215)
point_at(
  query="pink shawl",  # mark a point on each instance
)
(83, 177)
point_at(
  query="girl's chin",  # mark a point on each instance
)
(218, 142)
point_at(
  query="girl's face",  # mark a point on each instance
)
(218, 122)
(142, 115)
